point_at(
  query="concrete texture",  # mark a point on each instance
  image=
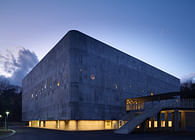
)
(82, 78)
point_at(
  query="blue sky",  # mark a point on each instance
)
(159, 32)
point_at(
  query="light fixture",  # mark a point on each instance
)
(7, 113)
(58, 83)
(92, 77)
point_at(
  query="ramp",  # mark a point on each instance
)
(137, 120)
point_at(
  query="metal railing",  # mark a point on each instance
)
(188, 103)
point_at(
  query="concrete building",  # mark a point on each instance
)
(84, 84)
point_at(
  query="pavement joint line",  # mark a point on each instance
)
(8, 135)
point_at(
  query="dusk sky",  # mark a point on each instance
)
(158, 32)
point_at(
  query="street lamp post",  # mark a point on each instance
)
(0, 119)
(6, 124)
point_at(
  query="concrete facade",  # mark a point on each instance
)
(82, 78)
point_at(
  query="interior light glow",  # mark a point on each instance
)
(162, 123)
(169, 123)
(149, 124)
(58, 84)
(92, 77)
(155, 124)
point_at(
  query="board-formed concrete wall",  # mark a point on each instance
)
(95, 79)
(43, 98)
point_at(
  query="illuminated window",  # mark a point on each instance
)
(58, 84)
(50, 124)
(152, 94)
(115, 86)
(128, 102)
(34, 123)
(169, 123)
(58, 124)
(155, 124)
(42, 124)
(150, 124)
(29, 123)
(92, 77)
(108, 124)
(162, 123)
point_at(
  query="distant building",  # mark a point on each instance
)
(84, 84)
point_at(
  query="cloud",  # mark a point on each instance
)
(15, 64)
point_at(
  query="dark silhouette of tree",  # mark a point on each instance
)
(11, 101)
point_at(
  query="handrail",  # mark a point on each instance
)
(150, 109)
